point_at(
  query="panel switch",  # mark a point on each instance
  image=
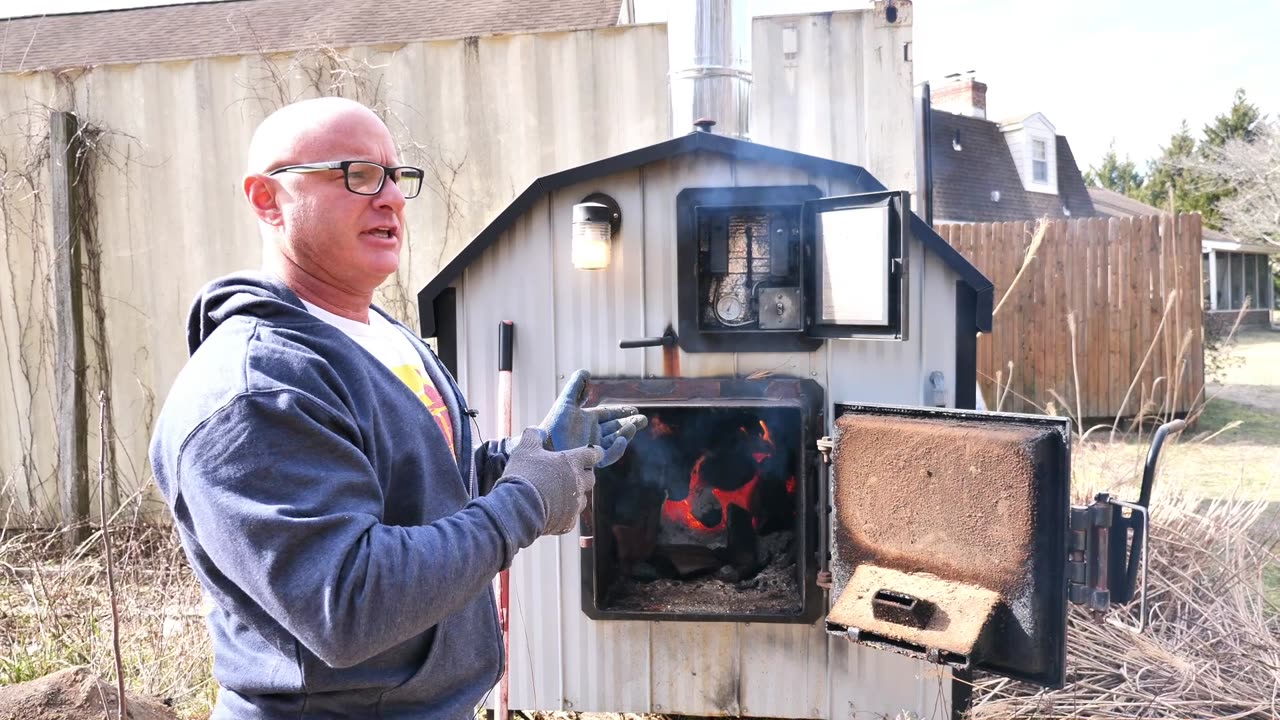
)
(779, 308)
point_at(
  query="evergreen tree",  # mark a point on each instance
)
(1171, 172)
(1241, 121)
(1115, 175)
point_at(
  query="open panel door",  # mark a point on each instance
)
(856, 269)
(948, 536)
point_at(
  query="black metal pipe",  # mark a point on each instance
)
(926, 111)
(1144, 499)
(1153, 457)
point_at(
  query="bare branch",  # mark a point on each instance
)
(1249, 173)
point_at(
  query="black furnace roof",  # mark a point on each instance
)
(964, 179)
(698, 141)
(245, 27)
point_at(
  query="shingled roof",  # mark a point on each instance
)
(963, 180)
(241, 27)
(1112, 204)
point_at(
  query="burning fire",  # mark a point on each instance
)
(681, 511)
(760, 457)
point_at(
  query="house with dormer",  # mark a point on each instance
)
(984, 170)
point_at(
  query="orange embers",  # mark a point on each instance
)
(681, 511)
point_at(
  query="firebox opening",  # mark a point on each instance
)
(702, 514)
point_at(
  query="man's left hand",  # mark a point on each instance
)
(570, 426)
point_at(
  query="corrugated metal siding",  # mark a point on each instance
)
(567, 319)
(28, 401)
(846, 94)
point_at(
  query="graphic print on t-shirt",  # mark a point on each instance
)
(398, 354)
(422, 386)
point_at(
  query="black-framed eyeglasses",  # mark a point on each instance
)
(364, 177)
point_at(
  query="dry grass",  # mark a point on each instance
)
(1210, 650)
(55, 613)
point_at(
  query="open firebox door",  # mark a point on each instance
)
(953, 538)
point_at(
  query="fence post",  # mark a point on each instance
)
(69, 351)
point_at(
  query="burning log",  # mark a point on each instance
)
(743, 555)
(637, 519)
(729, 468)
(705, 507)
(691, 560)
(634, 544)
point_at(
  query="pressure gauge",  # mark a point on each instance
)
(729, 309)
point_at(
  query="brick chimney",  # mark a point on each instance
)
(961, 94)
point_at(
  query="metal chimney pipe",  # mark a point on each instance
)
(709, 56)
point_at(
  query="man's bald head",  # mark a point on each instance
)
(332, 245)
(302, 131)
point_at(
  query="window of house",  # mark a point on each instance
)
(1040, 161)
(1224, 278)
(1251, 280)
(1263, 273)
(1237, 281)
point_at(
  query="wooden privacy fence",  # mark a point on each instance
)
(1130, 287)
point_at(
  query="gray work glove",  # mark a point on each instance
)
(570, 426)
(563, 479)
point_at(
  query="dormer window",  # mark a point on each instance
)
(1040, 161)
(1033, 145)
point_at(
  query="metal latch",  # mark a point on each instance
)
(826, 446)
(1106, 546)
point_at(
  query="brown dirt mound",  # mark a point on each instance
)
(74, 694)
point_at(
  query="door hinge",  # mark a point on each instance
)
(1098, 556)
(825, 446)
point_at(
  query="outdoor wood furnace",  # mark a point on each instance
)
(939, 535)
(811, 490)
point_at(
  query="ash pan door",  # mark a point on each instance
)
(948, 537)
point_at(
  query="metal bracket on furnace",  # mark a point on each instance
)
(1107, 549)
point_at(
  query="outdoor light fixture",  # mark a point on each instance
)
(595, 219)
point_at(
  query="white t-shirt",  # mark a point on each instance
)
(389, 344)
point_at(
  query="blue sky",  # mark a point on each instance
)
(1127, 71)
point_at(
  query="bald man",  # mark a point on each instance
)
(318, 463)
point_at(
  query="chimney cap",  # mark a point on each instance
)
(704, 124)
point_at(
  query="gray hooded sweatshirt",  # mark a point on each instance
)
(347, 554)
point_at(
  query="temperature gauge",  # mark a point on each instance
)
(730, 309)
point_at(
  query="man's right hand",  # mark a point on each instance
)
(563, 479)
(569, 425)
